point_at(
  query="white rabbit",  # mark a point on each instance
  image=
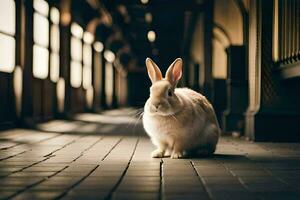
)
(178, 120)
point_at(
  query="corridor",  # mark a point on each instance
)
(75, 76)
(107, 156)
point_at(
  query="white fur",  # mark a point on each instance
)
(189, 125)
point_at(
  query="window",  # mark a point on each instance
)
(41, 39)
(109, 78)
(7, 35)
(54, 44)
(76, 55)
(87, 60)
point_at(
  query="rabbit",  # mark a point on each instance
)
(179, 121)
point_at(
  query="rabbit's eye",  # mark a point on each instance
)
(170, 93)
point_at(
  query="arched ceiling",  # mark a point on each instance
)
(169, 20)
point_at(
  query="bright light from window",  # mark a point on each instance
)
(8, 17)
(41, 30)
(41, 6)
(54, 67)
(87, 77)
(151, 36)
(54, 38)
(145, 1)
(109, 82)
(87, 68)
(98, 46)
(89, 97)
(76, 49)
(60, 93)
(76, 74)
(18, 83)
(7, 53)
(88, 37)
(40, 62)
(76, 30)
(54, 15)
(87, 54)
(148, 17)
(109, 56)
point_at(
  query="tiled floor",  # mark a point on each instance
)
(107, 157)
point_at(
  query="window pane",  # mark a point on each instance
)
(60, 93)
(76, 74)
(54, 15)
(89, 96)
(7, 53)
(8, 16)
(54, 38)
(76, 49)
(109, 82)
(40, 62)
(87, 54)
(41, 6)
(54, 67)
(76, 30)
(41, 30)
(87, 77)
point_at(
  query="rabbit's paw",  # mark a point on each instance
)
(157, 153)
(176, 155)
(167, 153)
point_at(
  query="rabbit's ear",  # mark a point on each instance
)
(174, 72)
(153, 71)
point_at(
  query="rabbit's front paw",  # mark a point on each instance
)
(168, 153)
(157, 153)
(176, 155)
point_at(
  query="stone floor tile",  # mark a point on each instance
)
(91, 163)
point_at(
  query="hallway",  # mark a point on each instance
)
(74, 78)
(107, 156)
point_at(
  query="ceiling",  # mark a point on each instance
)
(171, 21)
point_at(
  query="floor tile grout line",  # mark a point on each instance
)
(64, 146)
(85, 150)
(57, 134)
(115, 145)
(47, 157)
(35, 143)
(209, 195)
(19, 192)
(43, 140)
(241, 181)
(77, 183)
(20, 170)
(109, 196)
(280, 179)
(161, 186)
(36, 183)
(83, 178)
(2, 159)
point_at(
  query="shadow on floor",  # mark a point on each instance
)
(122, 122)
